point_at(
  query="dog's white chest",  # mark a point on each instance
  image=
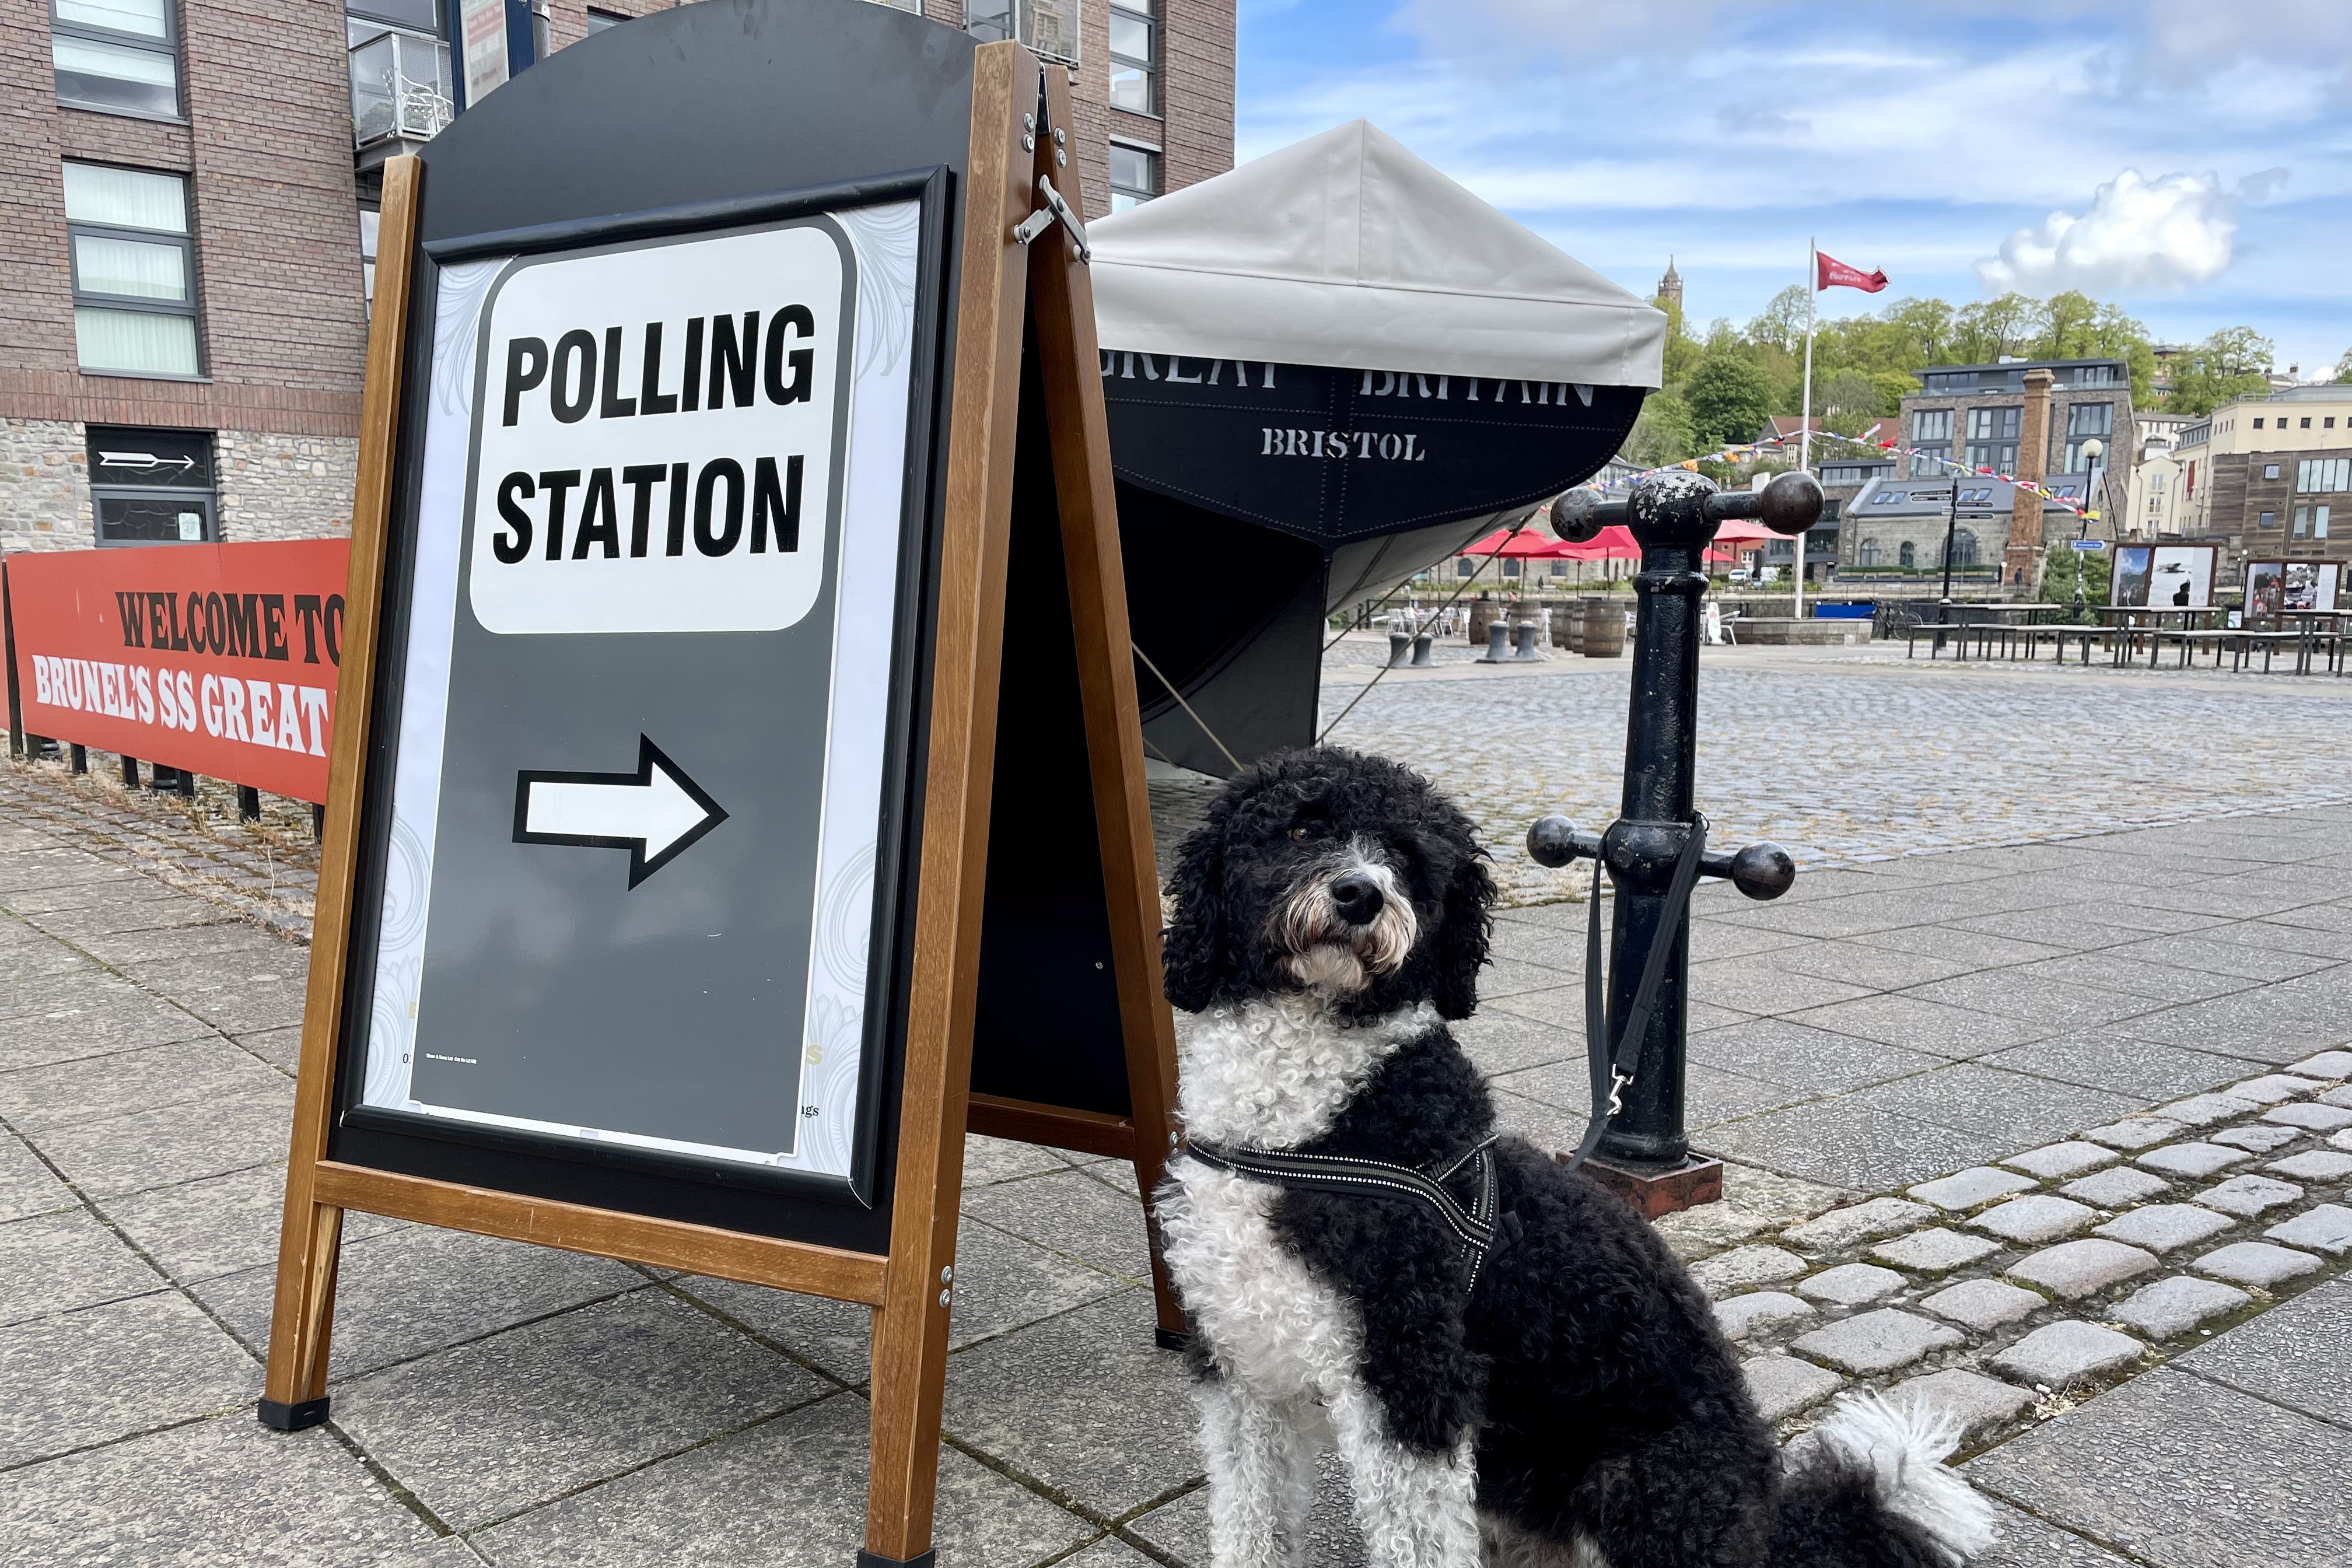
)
(1275, 1328)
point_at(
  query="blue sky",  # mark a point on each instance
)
(2191, 160)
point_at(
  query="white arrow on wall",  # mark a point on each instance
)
(654, 814)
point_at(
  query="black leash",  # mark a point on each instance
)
(1614, 1066)
(1473, 1226)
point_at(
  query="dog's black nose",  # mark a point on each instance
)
(1355, 897)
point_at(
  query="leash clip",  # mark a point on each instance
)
(1619, 1079)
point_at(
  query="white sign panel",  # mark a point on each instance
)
(658, 425)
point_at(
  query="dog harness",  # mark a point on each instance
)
(1473, 1226)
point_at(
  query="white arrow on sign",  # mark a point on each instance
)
(654, 813)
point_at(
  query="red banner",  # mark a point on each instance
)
(1834, 274)
(218, 659)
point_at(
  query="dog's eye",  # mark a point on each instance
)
(1297, 834)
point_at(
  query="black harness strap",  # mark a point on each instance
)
(1614, 1066)
(1473, 1226)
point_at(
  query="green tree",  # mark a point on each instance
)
(1985, 330)
(1682, 353)
(1849, 400)
(1729, 399)
(1782, 324)
(2065, 567)
(2233, 363)
(2069, 327)
(1662, 432)
(1921, 334)
(2343, 368)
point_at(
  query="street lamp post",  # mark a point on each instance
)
(1951, 532)
(2093, 450)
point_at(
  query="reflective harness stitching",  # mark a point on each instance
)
(1473, 1226)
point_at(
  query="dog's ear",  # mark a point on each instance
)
(1461, 948)
(1193, 949)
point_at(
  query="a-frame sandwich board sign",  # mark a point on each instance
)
(716, 365)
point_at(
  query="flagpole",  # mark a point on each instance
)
(1805, 414)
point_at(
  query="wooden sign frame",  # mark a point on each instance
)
(1009, 295)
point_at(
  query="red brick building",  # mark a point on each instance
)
(186, 227)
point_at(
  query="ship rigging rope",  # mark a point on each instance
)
(1468, 583)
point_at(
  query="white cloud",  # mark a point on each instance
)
(2138, 236)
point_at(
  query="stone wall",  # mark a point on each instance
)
(284, 487)
(44, 485)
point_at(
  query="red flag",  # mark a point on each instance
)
(1832, 273)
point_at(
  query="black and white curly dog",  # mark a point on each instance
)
(1571, 1405)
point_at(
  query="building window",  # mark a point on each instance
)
(2305, 422)
(1907, 556)
(1964, 547)
(152, 486)
(1134, 175)
(371, 221)
(1932, 425)
(365, 19)
(2086, 422)
(2270, 471)
(1992, 438)
(116, 55)
(1135, 55)
(1868, 553)
(2268, 520)
(2315, 475)
(1929, 461)
(133, 270)
(1465, 567)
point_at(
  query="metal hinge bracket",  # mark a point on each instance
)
(1038, 222)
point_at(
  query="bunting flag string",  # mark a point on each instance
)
(1772, 445)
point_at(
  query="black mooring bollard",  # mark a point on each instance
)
(1400, 646)
(1645, 1152)
(1422, 658)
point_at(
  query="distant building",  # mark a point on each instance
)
(1897, 523)
(1670, 287)
(192, 189)
(1842, 466)
(2152, 496)
(2270, 478)
(1984, 416)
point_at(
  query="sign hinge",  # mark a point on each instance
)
(1038, 222)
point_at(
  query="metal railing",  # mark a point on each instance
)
(400, 90)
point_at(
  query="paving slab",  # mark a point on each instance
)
(172, 1143)
(2135, 1132)
(2340, 1139)
(2020, 1110)
(1984, 1303)
(487, 1429)
(722, 1506)
(2034, 1218)
(2247, 1196)
(1969, 1189)
(2114, 1187)
(2075, 1269)
(2310, 1118)
(89, 1377)
(2327, 1228)
(1919, 1024)
(2256, 1263)
(2053, 1161)
(59, 1262)
(2058, 1354)
(836, 1337)
(1073, 1213)
(227, 1490)
(2161, 1227)
(2272, 1088)
(2195, 1159)
(1843, 1227)
(1851, 1284)
(1935, 1250)
(2255, 1139)
(2292, 1354)
(1877, 1342)
(95, 1028)
(35, 1100)
(2171, 1308)
(1084, 1401)
(219, 1224)
(2204, 1109)
(2186, 1474)
(1817, 1061)
(2318, 1165)
(26, 1184)
(1982, 1404)
(2327, 1063)
(1783, 1385)
(1760, 1311)
(1743, 1266)
(415, 1289)
(2025, 1541)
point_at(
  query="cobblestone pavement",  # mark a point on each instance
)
(2055, 1131)
(1849, 754)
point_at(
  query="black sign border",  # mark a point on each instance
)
(726, 1195)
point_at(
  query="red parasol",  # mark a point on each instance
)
(1526, 545)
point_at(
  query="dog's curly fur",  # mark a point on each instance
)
(1579, 1409)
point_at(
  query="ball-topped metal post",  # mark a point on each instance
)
(1645, 1152)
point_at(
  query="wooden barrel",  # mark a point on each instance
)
(1604, 629)
(1567, 627)
(1483, 613)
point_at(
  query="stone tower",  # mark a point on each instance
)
(2021, 561)
(1670, 287)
